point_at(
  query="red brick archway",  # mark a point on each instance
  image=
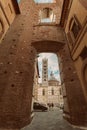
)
(70, 82)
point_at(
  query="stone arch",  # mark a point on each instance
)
(21, 111)
(48, 46)
(70, 82)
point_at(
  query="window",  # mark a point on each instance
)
(52, 91)
(43, 92)
(75, 29)
(84, 53)
(46, 16)
(60, 91)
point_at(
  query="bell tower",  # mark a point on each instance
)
(45, 72)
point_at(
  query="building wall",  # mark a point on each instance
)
(78, 45)
(42, 98)
(7, 15)
(18, 50)
(11, 107)
(56, 98)
(57, 9)
(36, 84)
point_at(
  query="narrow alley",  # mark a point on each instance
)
(50, 120)
(29, 28)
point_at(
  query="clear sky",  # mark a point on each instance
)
(18, 1)
(44, 1)
(52, 65)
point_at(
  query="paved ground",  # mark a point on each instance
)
(51, 120)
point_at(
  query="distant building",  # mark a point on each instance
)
(35, 83)
(50, 90)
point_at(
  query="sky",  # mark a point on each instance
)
(41, 1)
(44, 1)
(18, 1)
(52, 65)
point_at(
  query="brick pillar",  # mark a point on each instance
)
(16, 84)
(75, 108)
(17, 57)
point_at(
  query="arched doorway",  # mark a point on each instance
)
(70, 82)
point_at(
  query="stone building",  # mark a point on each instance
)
(35, 83)
(55, 91)
(23, 35)
(49, 91)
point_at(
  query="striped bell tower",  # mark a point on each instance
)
(45, 72)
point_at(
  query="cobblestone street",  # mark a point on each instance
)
(51, 120)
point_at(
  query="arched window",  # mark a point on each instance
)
(52, 91)
(43, 92)
(60, 91)
(46, 15)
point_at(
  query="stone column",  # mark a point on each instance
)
(16, 82)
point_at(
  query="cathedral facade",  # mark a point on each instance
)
(49, 91)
